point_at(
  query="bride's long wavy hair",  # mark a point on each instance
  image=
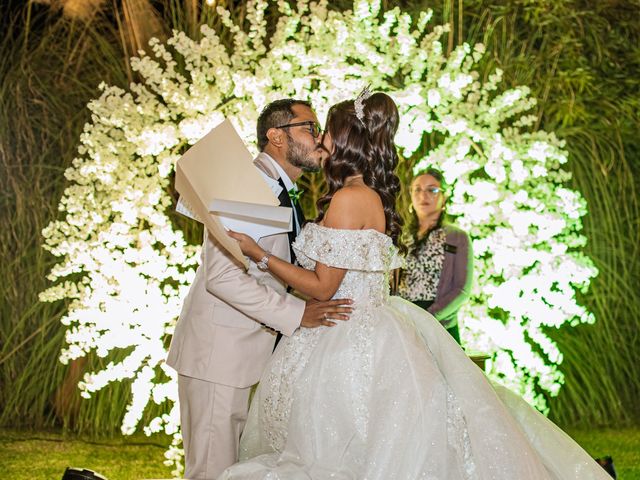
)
(365, 147)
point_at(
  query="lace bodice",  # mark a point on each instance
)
(367, 255)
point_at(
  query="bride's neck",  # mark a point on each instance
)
(353, 180)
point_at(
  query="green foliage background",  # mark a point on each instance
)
(581, 60)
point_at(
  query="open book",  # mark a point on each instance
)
(220, 187)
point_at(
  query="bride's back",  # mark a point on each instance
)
(356, 207)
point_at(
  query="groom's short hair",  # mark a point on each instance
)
(275, 114)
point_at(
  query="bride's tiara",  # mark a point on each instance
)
(358, 103)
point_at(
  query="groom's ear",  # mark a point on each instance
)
(276, 137)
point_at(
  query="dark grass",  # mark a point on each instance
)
(46, 455)
(623, 445)
(34, 455)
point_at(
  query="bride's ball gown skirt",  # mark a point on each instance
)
(389, 394)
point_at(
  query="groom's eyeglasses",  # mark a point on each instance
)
(314, 128)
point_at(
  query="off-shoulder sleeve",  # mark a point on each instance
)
(364, 250)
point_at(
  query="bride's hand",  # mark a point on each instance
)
(248, 245)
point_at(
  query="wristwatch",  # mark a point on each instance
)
(263, 264)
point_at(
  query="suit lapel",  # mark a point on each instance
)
(265, 164)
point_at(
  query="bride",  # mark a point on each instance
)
(388, 394)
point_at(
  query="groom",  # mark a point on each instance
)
(221, 341)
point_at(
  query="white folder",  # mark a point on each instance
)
(220, 187)
(255, 220)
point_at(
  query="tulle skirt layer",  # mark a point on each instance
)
(390, 395)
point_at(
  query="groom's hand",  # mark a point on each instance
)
(318, 314)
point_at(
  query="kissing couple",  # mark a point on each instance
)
(362, 385)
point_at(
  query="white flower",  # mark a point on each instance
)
(433, 98)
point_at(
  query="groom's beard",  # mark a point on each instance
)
(305, 158)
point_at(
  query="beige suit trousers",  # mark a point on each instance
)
(212, 417)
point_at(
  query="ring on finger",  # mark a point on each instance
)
(325, 315)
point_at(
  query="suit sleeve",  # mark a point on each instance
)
(227, 280)
(450, 301)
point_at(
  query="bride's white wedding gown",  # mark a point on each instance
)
(389, 394)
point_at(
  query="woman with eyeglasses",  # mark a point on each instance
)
(439, 266)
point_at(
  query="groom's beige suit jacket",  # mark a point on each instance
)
(221, 335)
